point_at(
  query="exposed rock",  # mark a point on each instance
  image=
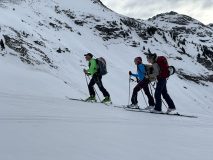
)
(206, 59)
(194, 78)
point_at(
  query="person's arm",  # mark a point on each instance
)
(135, 75)
(141, 71)
(93, 67)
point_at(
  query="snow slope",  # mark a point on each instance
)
(51, 37)
(43, 63)
(47, 128)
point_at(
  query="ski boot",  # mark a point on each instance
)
(91, 99)
(107, 100)
(155, 111)
(149, 108)
(133, 106)
(169, 110)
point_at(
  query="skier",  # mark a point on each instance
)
(142, 84)
(160, 67)
(96, 79)
(2, 45)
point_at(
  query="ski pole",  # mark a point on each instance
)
(161, 98)
(86, 80)
(141, 92)
(164, 104)
(144, 98)
(129, 89)
(151, 90)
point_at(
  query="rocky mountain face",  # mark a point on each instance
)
(186, 31)
(210, 25)
(37, 32)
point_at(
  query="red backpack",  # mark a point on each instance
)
(164, 67)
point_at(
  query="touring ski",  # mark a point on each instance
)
(81, 100)
(162, 113)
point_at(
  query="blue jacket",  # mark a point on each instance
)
(141, 72)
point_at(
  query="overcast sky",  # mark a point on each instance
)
(201, 10)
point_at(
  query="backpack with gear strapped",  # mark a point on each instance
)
(172, 70)
(149, 69)
(165, 69)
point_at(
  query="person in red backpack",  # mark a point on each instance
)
(161, 72)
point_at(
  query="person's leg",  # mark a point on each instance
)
(159, 88)
(147, 92)
(137, 88)
(167, 98)
(91, 87)
(101, 87)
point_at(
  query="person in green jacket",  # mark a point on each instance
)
(96, 79)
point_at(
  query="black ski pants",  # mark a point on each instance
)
(145, 86)
(97, 79)
(161, 89)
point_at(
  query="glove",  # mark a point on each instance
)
(130, 73)
(85, 71)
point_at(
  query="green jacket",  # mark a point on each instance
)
(92, 67)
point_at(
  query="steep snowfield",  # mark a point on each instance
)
(37, 122)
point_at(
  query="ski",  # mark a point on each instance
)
(162, 113)
(136, 109)
(119, 106)
(81, 100)
(75, 99)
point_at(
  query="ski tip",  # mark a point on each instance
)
(183, 115)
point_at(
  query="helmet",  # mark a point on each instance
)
(89, 54)
(138, 60)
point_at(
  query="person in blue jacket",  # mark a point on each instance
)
(142, 84)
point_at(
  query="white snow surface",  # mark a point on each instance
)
(45, 128)
(37, 122)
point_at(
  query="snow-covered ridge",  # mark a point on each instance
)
(182, 24)
(174, 17)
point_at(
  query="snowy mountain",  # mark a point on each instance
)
(51, 37)
(43, 61)
(191, 36)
